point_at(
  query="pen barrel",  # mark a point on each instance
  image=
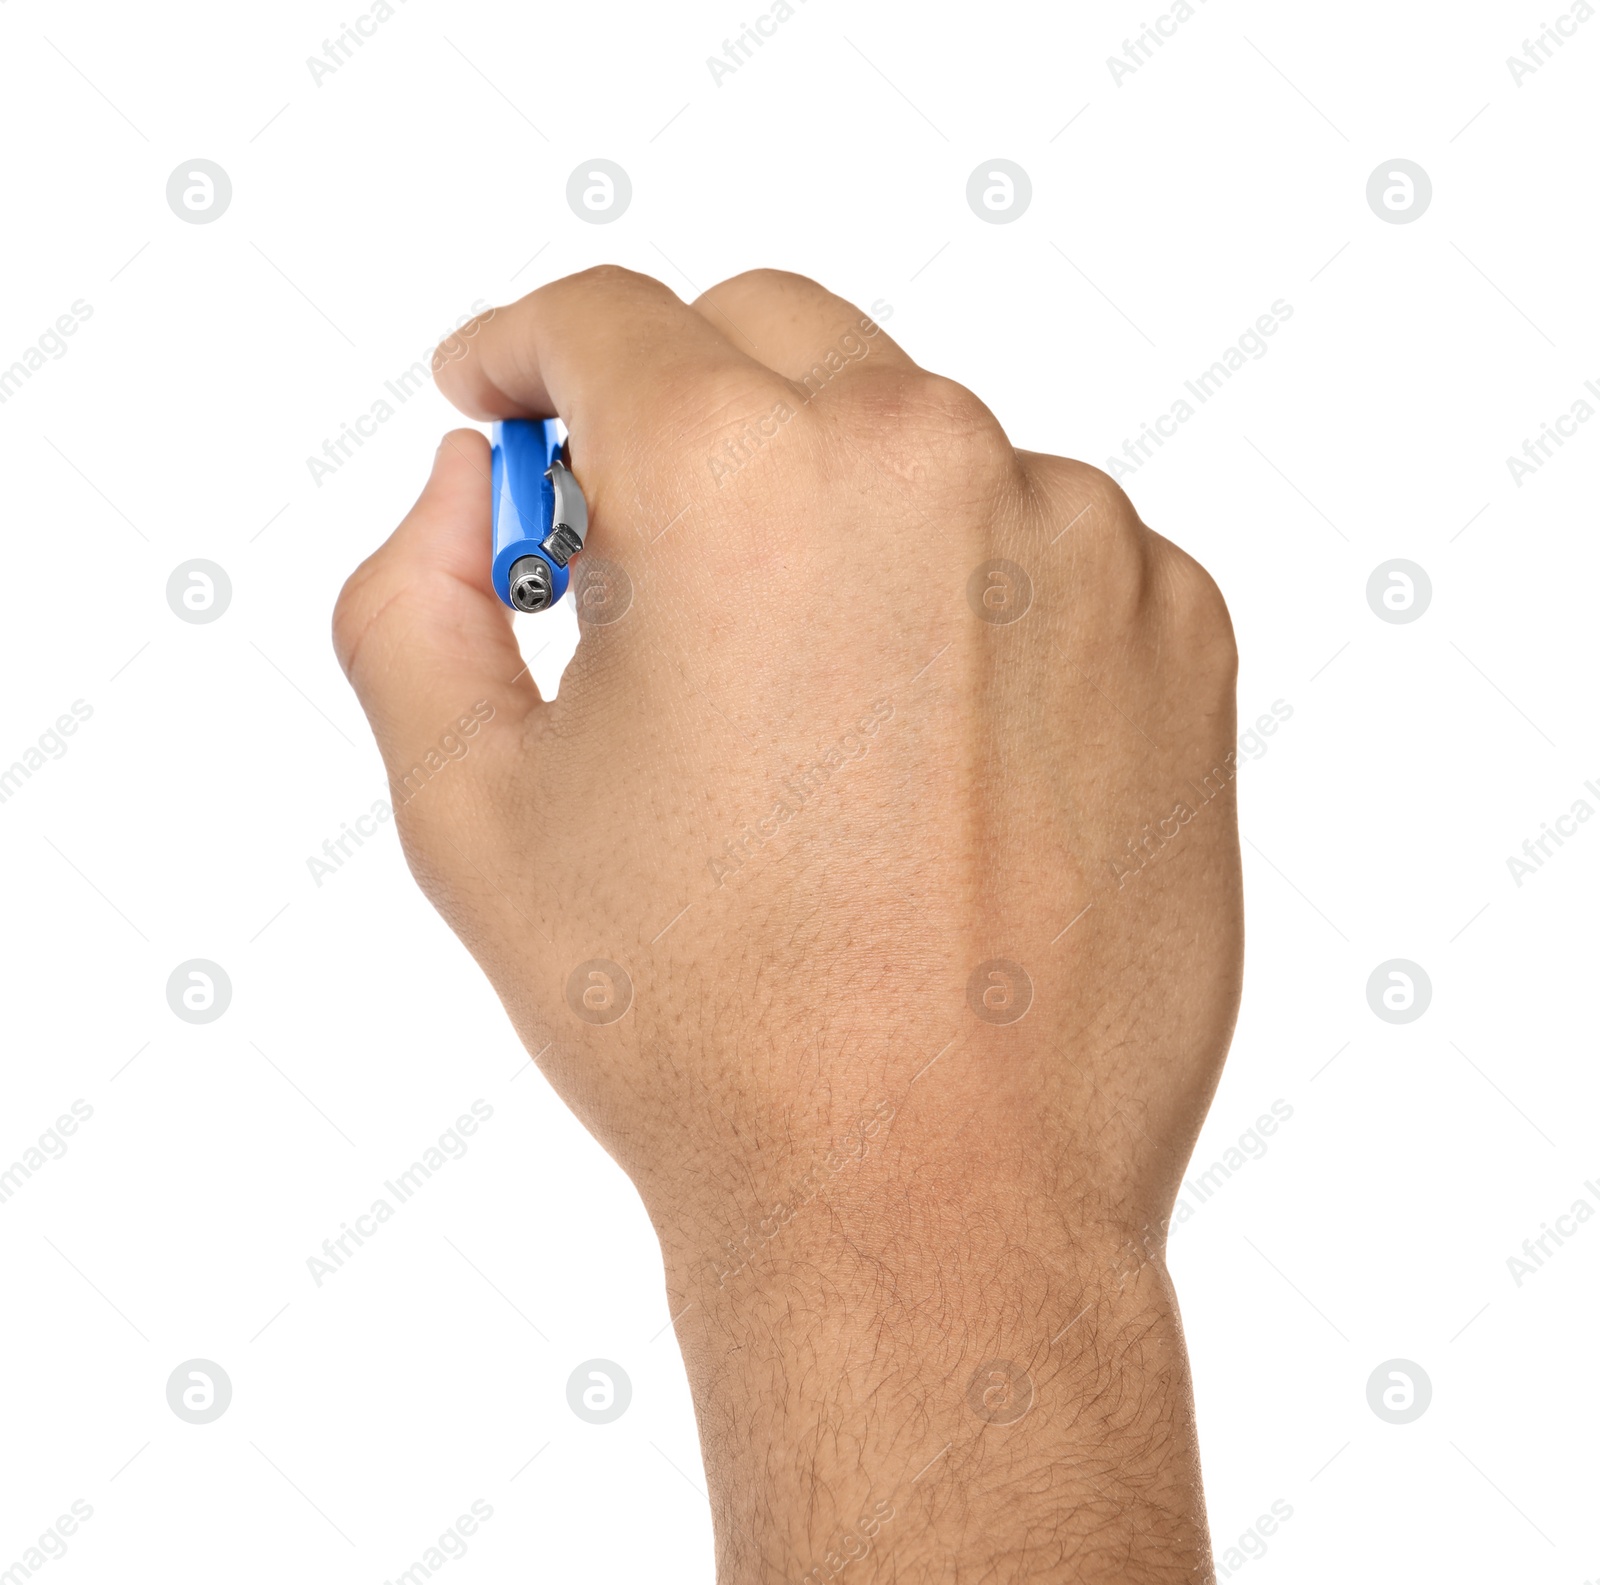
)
(522, 451)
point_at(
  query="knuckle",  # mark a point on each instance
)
(356, 612)
(591, 291)
(718, 424)
(950, 412)
(350, 615)
(609, 275)
(600, 290)
(763, 281)
(427, 852)
(1091, 516)
(732, 400)
(1196, 610)
(1131, 583)
(1090, 501)
(734, 390)
(924, 423)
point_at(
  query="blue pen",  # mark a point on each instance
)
(540, 518)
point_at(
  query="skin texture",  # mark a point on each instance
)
(801, 786)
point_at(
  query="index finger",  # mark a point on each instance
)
(604, 344)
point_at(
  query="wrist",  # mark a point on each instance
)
(970, 1380)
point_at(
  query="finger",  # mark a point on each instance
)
(609, 351)
(424, 641)
(798, 328)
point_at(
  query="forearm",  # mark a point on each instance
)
(926, 1387)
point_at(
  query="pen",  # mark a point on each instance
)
(540, 518)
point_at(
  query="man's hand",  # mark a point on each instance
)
(871, 891)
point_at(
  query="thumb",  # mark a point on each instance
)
(422, 637)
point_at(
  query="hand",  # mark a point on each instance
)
(871, 891)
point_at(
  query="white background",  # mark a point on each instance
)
(369, 213)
